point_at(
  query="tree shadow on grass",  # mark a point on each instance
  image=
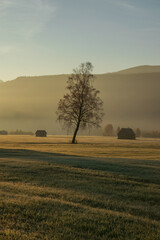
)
(148, 170)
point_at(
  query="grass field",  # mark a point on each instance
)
(101, 188)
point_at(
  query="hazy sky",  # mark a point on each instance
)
(39, 37)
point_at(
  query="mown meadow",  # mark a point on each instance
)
(101, 188)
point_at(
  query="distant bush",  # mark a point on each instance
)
(20, 132)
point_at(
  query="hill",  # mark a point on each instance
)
(141, 69)
(130, 100)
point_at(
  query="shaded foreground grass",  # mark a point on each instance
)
(63, 197)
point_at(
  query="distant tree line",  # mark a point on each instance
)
(20, 132)
(110, 131)
(16, 132)
(151, 134)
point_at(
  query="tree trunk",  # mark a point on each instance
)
(75, 132)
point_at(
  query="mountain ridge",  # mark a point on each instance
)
(132, 70)
(141, 69)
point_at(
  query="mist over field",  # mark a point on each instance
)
(131, 99)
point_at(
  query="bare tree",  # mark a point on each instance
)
(81, 107)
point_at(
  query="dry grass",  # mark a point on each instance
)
(49, 192)
(87, 146)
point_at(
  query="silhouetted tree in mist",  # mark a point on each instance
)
(118, 129)
(81, 107)
(138, 132)
(108, 130)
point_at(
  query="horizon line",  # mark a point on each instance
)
(60, 74)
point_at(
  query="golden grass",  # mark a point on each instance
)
(93, 146)
(46, 196)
